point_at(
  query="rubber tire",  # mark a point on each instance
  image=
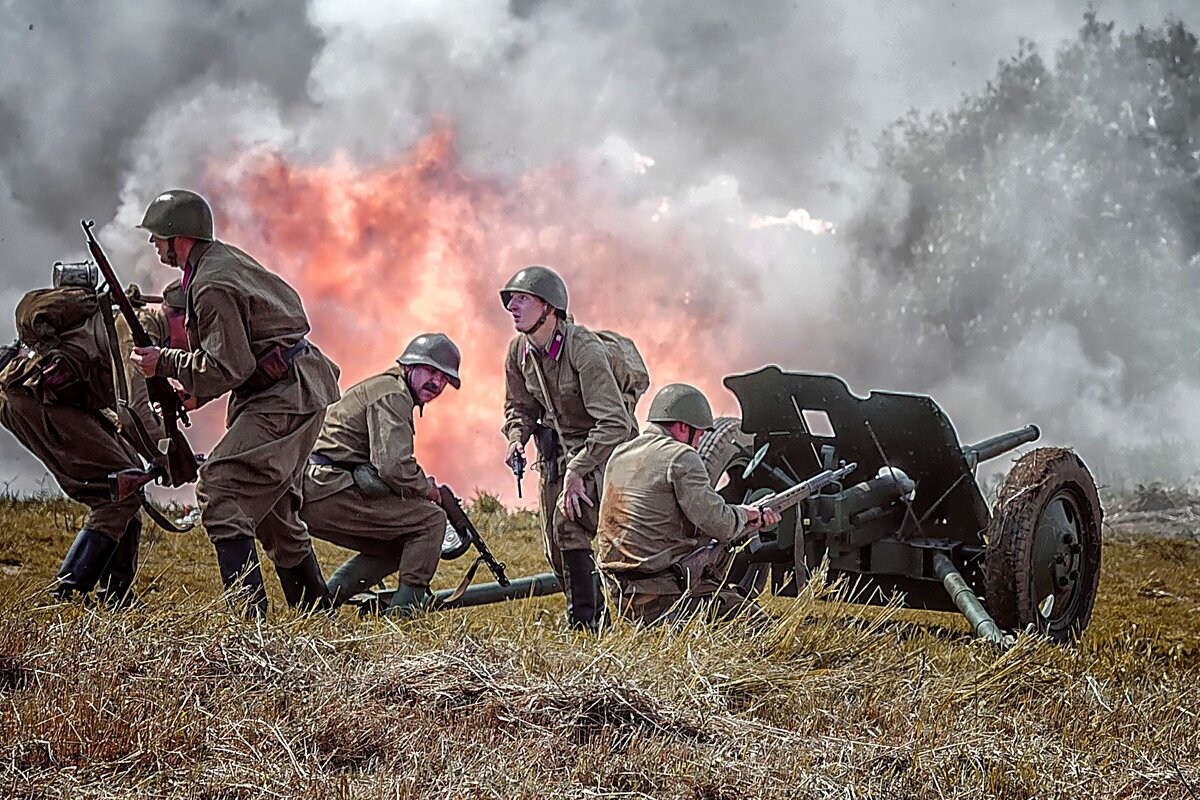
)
(718, 449)
(1035, 479)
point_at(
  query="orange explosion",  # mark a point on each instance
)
(383, 252)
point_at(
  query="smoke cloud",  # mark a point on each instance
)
(630, 145)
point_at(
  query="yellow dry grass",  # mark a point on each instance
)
(179, 699)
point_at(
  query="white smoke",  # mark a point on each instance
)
(733, 114)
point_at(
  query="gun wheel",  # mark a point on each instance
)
(725, 452)
(1043, 545)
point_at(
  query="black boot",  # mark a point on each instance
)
(585, 604)
(84, 563)
(304, 585)
(241, 575)
(115, 588)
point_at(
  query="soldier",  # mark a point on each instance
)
(57, 397)
(364, 489)
(560, 386)
(658, 508)
(246, 332)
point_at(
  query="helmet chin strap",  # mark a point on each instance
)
(541, 320)
(172, 259)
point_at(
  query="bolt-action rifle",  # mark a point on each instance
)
(692, 566)
(178, 464)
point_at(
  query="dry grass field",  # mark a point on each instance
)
(180, 699)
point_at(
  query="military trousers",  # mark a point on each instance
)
(79, 448)
(661, 600)
(250, 483)
(406, 530)
(560, 533)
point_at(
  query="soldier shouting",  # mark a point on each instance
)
(246, 332)
(364, 489)
(560, 386)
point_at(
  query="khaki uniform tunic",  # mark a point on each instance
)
(250, 483)
(79, 447)
(659, 507)
(373, 423)
(586, 404)
(155, 322)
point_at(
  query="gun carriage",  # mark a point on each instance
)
(910, 518)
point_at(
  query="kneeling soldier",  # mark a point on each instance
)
(657, 508)
(364, 489)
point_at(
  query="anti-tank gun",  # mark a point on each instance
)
(911, 519)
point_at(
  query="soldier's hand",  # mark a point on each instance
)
(513, 449)
(573, 495)
(190, 401)
(770, 517)
(146, 359)
(434, 495)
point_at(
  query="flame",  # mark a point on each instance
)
(383, 252)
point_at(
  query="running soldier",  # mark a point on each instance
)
(364, 489)
(658, 509)
(246, 331)
(559, 387)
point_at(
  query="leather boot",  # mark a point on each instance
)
(358, 575)
(115, 588)
(585, 603)
(408, 602)
(240, 574)
(84, 564)
(304, 585)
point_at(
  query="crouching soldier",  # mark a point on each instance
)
(658, 509)
(57, 396)
(364, 489)
(559, 386)
(246, 336)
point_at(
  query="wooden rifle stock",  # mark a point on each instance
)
(180, 462)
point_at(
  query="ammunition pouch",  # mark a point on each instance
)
(59, 381)
(272, 366)
(550, 452)
(366, 477)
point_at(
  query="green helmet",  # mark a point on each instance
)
(437, 351)
(178, 212)
(678, 402)
(540, 282)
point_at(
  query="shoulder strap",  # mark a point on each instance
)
(551, 412)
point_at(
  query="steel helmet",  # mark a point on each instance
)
(178, 212)
(437, 351)
(679, 402)
(540, 282)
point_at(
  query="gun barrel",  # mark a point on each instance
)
(999, 445)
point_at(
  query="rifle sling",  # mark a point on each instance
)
(161, 520)
(465, 582)
(551, 412)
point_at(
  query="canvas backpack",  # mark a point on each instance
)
(628, 366)
(71, 363)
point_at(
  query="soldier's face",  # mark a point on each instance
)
(426, 382)
(163, 248)
(526, 310)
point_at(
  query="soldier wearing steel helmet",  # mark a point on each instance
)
(559, 385)
(246, 336)
(658, 508)
(364, 489)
